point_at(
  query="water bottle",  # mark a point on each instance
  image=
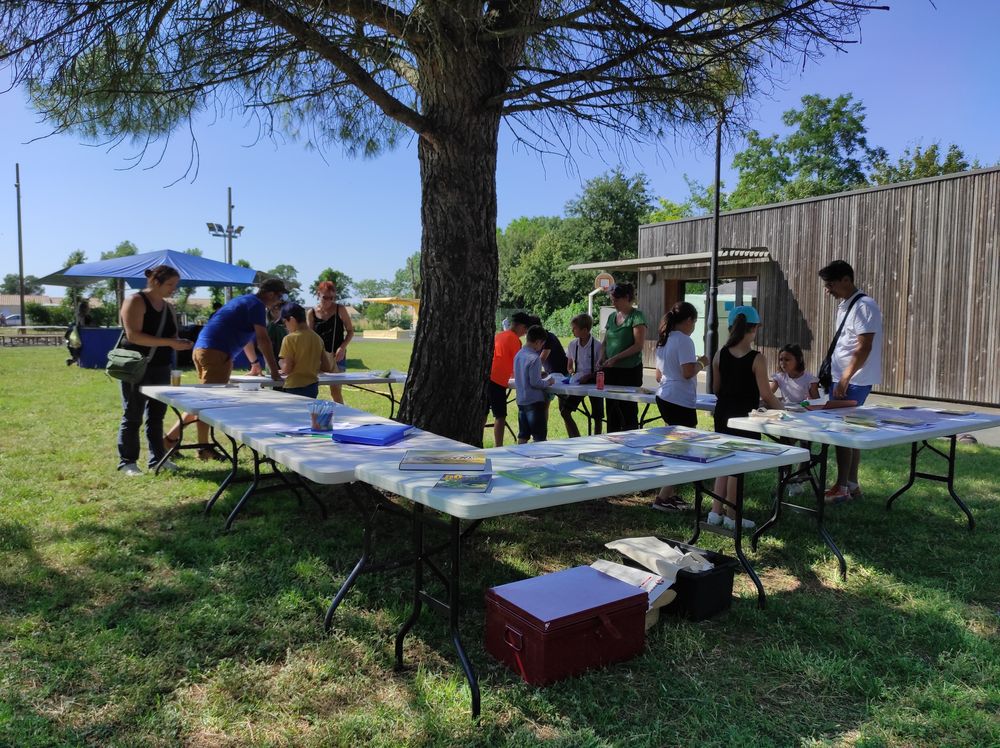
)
(600, 380)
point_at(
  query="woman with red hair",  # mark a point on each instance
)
(331, 322)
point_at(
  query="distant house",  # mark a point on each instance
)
(928, 251)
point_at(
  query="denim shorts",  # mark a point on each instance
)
(856, 392)
(532, 421)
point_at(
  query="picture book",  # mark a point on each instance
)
(634, 438)
(908, 422)
(541, 477)
(445, 460)
(620, 459)
(686, 435)
(749, 446)
(858, 420)
(691, 452)
(476, 482)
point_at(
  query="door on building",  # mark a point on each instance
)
(733, 292)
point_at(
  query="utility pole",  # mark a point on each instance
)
(20, 242)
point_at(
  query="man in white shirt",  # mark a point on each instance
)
(856, 363)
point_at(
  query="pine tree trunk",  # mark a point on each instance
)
(453, 350)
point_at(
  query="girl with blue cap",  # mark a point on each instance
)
(739, 380)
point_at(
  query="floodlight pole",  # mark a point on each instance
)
(20, 242)
(228, 233)
(713, 272)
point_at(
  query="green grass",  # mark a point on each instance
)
(127, 618)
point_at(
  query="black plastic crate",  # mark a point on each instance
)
(703, 594)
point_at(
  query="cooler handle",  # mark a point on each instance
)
(511, 633)
(606, 622)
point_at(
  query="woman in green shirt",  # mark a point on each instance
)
(624, 336)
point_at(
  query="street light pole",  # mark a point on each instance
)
(713, 272)
(228, 233)
(20, 243)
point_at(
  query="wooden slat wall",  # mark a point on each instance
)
(928, 252)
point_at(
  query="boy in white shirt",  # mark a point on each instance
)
(583, 354)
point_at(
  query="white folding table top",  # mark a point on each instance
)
(507, 496)
(196, 398)
(820, 427)
(319, 459)
(704, 401)
(347, 377)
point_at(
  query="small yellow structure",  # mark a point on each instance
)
(414, 304)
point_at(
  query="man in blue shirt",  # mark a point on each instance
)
(240, 324)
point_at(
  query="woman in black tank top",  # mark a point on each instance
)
(149, 324)
(330, 321)
(739, 379)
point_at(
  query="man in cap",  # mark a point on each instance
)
(239, 324)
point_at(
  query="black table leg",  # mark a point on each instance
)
(233, 467)
(736, 533)
(255, 481)
(817, 482)
(949, 479)
(418, 581)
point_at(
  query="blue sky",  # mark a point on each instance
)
(924, 75)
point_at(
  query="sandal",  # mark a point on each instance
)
(208, 454)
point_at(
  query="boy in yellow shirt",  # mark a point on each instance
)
(301, 353)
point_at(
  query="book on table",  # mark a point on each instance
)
(542, 477)
(675, 434)
(858, 420)
(473, 482)
(620, 459)
(691, 452)
(445, 460)
(750, 446)
(635, 438)
(908, 422)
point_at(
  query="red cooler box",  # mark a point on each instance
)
(558, 625)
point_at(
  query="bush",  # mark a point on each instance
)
(47, 315)
(559, 321)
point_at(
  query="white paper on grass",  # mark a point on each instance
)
(660, 557)
(652, 584)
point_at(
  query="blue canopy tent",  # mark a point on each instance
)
(195, 271)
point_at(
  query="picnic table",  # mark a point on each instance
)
(828, 428)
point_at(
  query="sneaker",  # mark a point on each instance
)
(837, 495)
(795, 489)
(169, 466)
(714, 518)
(130, 469)
(671, 504)
(856, 492)
(730, 524)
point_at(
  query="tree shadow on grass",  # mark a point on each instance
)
(164, 607)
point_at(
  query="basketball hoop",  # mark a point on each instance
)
(604, 282)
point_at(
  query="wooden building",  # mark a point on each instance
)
(928, 251)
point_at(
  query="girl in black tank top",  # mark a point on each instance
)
(739, 386)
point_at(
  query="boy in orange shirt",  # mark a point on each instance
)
(506, 344)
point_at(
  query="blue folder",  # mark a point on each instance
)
(376, 434)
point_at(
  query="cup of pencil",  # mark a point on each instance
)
(322, 415)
